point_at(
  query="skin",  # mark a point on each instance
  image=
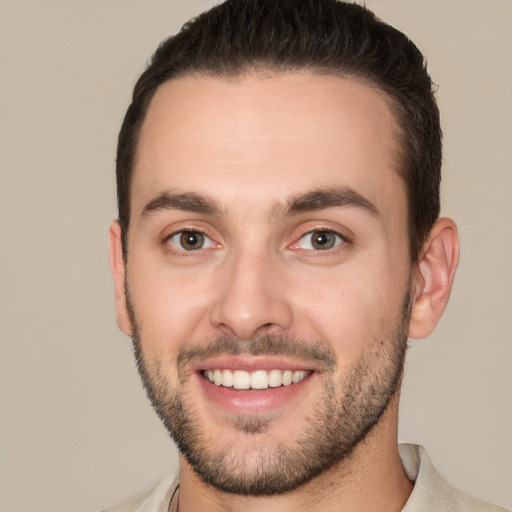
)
(252, 145)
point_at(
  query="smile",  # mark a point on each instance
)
(259, 379)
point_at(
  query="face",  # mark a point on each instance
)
(267, 278)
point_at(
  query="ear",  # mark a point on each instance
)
(117, 266)
(433, 277)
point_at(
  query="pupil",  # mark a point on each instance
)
(191, 240)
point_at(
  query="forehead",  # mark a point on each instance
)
(265, 137)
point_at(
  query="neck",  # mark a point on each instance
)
(371, 478)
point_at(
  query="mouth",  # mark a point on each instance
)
(256, 380)
(248, 385)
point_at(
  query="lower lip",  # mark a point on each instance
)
(252, 401)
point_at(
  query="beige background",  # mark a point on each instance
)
(76, 432)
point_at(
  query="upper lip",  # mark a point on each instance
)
(250, 363)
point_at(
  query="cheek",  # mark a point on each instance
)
(170, 304)
(349, 309)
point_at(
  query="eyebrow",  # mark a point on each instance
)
(314, 200)
(324, 198)
(188, 201)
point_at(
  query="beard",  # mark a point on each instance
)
(349, 407)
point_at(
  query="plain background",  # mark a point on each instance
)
(77, 433)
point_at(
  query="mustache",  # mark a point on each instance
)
(276, 345)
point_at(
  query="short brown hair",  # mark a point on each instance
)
(323, 36)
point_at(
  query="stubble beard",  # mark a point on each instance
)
(349, 408)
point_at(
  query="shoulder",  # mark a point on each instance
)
(132, 505)
(431, 492)
(157, 499)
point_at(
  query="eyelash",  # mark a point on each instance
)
(341, 240)
(181, 251)
(168, 240)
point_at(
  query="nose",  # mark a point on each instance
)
(251, 298)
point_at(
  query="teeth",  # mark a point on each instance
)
(241, 380)
(227, 378)
(260, 379)
(298, 376)
(275, 378)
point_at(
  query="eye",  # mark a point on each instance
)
(189, 241)
(320, 240)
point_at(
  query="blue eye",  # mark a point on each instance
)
(189, 241)
(321, 240)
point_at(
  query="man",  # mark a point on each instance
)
(278, 241)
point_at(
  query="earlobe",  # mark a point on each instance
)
(434, 276)
(117, 266)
